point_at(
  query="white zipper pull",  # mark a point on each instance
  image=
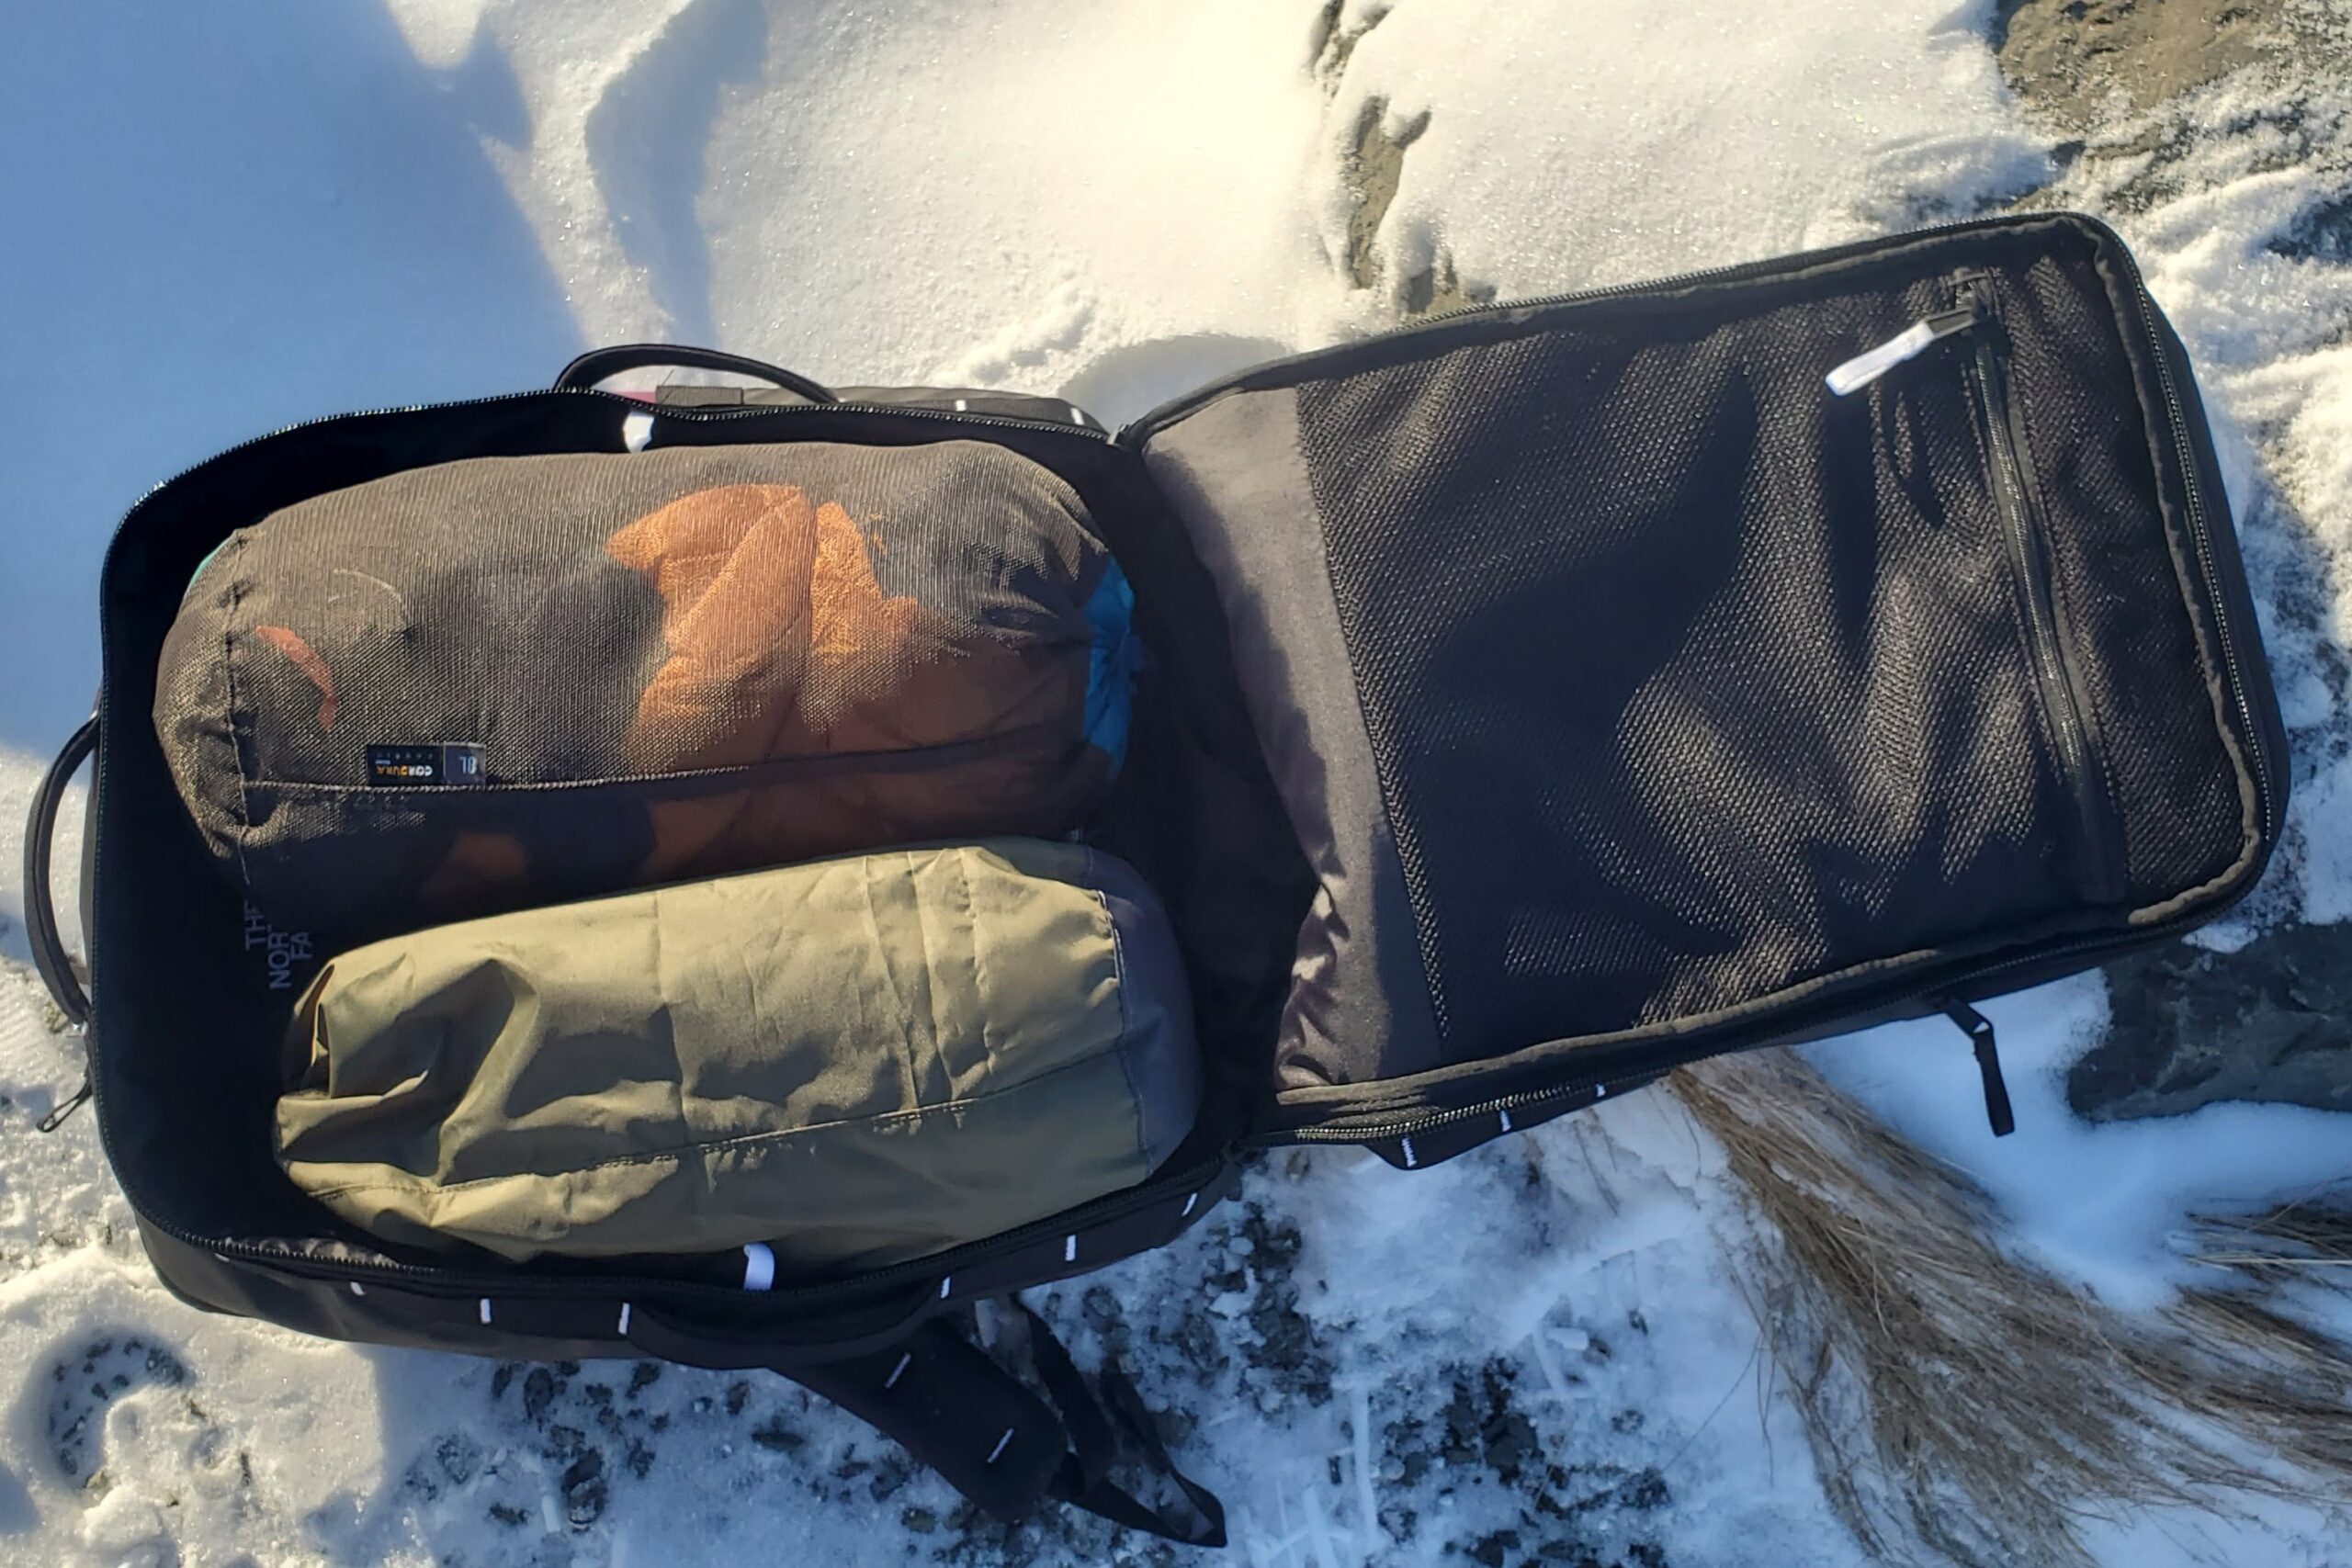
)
(1871, 364)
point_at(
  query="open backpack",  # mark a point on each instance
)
(495, 944)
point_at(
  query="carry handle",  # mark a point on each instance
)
(598, 363)
(40, 910)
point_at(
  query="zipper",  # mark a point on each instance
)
(62, 1111)
(1135, 433)
(457, 1285)
(1937, 998)
(1999, 1112)
(2027, 530)
(916, 410)
(1871, 363)
(2266, 798)
(715, 413)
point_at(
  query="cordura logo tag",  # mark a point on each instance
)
(440, 763)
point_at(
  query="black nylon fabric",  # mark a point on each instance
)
(1740, 672)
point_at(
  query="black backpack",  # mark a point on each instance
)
(1548, 695)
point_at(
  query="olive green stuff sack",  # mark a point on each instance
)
(857, 1061)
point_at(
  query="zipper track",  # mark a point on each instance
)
(1928, 999)
(2273, 810)
(461, 1283)
(1144, 426)
(457, 1285)
(698, 414)
(2029, 539)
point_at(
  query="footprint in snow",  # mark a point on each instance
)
(84, 1381)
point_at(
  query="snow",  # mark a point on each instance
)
(1664, 139)
(2095, 1203)
(2233, 236)
(217, 225)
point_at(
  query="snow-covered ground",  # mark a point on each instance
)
(215, 220)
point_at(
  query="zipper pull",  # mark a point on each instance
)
(1979, 1028)
(56, 1118)
(1871, 364)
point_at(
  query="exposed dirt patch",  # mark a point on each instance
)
(2155, 100)
(2271, 1021)
(1372, 165)
(1371, 172)
(2083, 59)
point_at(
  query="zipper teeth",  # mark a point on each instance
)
(635, 405)
(1141, 429)
(1667, 1062)
(2027, 534)
(2198, 525)
(461, 1283)
(1763, 266)
(2017, 512)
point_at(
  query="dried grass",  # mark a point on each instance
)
(1964, 1406)
(2309, 1239)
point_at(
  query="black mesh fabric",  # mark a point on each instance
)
(668, 664)
(1687, 682)
(2163, 760)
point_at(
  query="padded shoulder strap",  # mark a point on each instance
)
(951, 1407)
(944, 1400)
(1084, 1481)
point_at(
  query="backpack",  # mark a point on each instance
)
(1546, 695)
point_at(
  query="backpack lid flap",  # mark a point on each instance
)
(1714, 663)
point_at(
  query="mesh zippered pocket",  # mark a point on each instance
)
(1688, 693)
(2017, 492)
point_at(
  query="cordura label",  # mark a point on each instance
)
(440, 763)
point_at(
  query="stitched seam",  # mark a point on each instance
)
(787, 769)
(1420, 904)
(741, 1141)
(983, 993)
(237, 744)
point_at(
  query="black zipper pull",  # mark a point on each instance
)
(56, 1118)
(1979, 1030)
